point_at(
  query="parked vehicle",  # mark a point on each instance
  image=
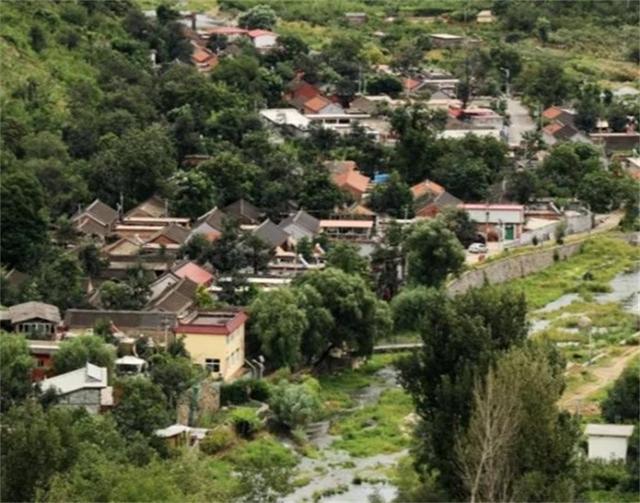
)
(478, 248)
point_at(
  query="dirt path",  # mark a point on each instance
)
(576, 400)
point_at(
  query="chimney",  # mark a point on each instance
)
(194, 21)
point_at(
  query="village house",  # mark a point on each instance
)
(300, 225)
(371, 105)
(357, 230)
(210, 225)
(203, 59)
(34, 318)
(608, 442)
(496, 222)
(154, 207)
(356, 18)
(157, 325)
(429, 199)
(97, 219)
(485, 16)
(243, 212)
(215, 340)
(130, 365)
(345, 175)
(86, 387)
(272, 235)
(43, 353)
(177, 298)
(287, 120)
(617, 142)
(263, 40)
(444, 40)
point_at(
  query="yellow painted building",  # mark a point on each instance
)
(215, 340)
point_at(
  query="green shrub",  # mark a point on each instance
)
(217, 440)
(242, 391)
(245, 421)
(295, 404)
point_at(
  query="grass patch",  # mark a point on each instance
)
(602, 257)
(338, 389)
(375, 429)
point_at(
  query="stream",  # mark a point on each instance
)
(625, 289)
(337, 468)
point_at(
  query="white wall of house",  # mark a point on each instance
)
(265, 41)
(607, 447)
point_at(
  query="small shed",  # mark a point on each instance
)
(608, 442)
(130, 365)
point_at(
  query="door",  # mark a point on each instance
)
(509, 232)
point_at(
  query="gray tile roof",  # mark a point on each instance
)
(101, 212)
(214, 218)
(271, 234)
(302, 219)
(243, 210)
(149, 320)
(34, 310)
(174, 232)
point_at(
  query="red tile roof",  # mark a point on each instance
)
(195, 273)
(316, 104)
(260, 33)
(352, 180)
(426, 187)
(552, 113)
(410, 84)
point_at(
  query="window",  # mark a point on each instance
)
(212, 364)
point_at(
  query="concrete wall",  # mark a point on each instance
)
(508, 269)
(89, 398)
(608, 448)
(575, 225)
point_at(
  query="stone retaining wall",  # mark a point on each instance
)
(511, 268)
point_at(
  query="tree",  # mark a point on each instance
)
(357, 319)
(385, 84)
(278, 323)
(589, 108)
(514, 410)
(93, 263)
(461, 338)
(192, 195)
(543, 27)
(197, 248)
(294, 405)
(602, 191)
(227, 254)
(259, 17)
(621, 403)
(23, 230)
(35, 445)
(523, 185)
(408, 308)
(142, 407)
(466, 177)
(137, 165)
(346, 257)
(37, 38)
(617, 117)
(392, 197)
(459, 222)
(173, 374)
(433, 252)
(566, 165)
(318, 194)
(75, 353)
(231, 176)
(258, 253)
(546, 82)
(15, 371)
(116, 295)
(59, 280)
(387, 261)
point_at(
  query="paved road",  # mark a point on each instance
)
(521, 121)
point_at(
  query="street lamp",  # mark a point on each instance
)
(584, 323)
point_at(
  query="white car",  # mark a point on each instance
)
(478, 248)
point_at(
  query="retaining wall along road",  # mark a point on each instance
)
(507, 269)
